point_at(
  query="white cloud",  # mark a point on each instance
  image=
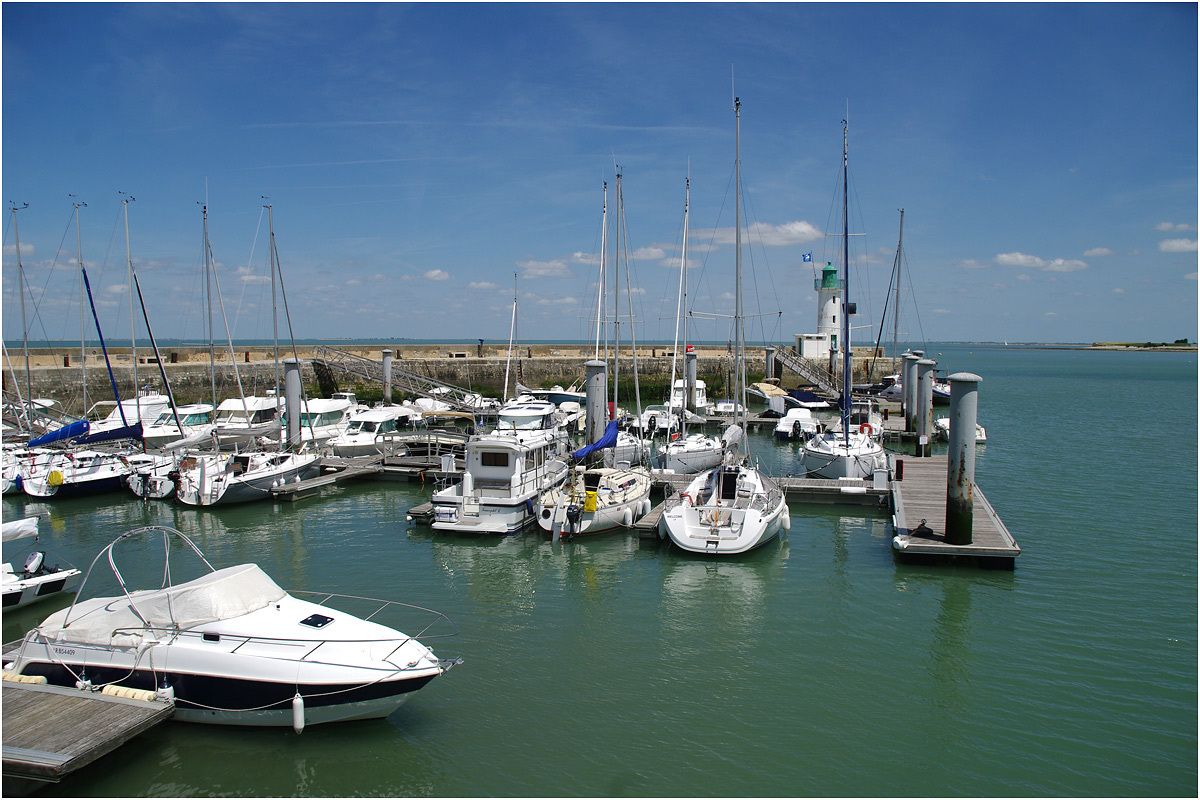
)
(1177, 245)
(942, 311)
(648, 253)
(436, 275)
(1119, 290)
(970, 263)
(1037, 262)
(637, 291)
(481, 285)
(1170, 227)
(1097, 251)
(1191, 276)
(1050, 314)
(586, 258)
(556, 301)
(556, 268)
(11, 249)
(787, 233)
(248, 276)
(117, 288)
(1024, 277)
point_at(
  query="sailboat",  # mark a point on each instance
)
(847, 451)
(687, 453)
(600, 498)
(735, 507)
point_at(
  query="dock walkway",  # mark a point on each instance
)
(50, 731)
(920, 518)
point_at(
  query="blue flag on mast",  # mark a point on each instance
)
(807, 258)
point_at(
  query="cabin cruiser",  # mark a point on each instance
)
(240, 421)
(728, 408)
(37, 580)
(322, 419)
(74, 473)
(196, 420)
(797, 423)
(941, 431)
(223, 479)
(657, 420)
(699, 402)
(506, 470)
(363, 429)
(152, 475)
(142, 409)
(231, 647)
(806, 398)
(730, 509)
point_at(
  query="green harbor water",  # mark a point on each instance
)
(817, 665)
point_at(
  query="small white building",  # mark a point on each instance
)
(829, 308)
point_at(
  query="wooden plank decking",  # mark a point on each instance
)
(344, 469)
(921, 496)
(50, 731)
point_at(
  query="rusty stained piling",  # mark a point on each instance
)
(387, 376)
(595, 389)
(689, 382)
(291, 397)
(908, 383)
(923, 410)
(770, 363)
(960, 465)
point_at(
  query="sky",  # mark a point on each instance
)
(418, 156)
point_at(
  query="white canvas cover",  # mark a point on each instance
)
(224, 594)
(20, 529)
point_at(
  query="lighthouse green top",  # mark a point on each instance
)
(829, 276)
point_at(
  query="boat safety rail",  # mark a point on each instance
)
(383, 605)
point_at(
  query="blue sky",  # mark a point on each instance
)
(418, 155)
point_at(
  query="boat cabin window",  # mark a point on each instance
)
(492, 458)
(523, 422)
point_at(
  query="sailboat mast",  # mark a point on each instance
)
(896, 310)
(617, 299)
(24, 323)
(208, 278)
(125, 201)
(274, 306)
(82, 300)
(603, 259)
(687, 199)
(512, 332)
(846, 305)
(738, 322)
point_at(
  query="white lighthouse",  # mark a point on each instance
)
(824, 343)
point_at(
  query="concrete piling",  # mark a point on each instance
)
(595, 384)
(923, 409)
(387, 376)
(908, 382)
(770, 364)
(960, 465)
(689, 383)
(291, 395)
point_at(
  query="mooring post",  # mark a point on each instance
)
(924, 406)
(908, 383)
(291, 396)
(387, 376)
(960, 465)
(594, 385)
(770, 365)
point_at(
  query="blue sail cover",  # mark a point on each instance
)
(133, 431)
(71, 431)
(609, 439)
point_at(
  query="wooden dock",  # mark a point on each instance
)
(919, 518)
(50, 731)
(334, 470)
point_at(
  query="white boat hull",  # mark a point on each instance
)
(827, 456)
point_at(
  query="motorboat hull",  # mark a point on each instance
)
(20, 592)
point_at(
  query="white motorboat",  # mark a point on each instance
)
(144, 408)
(506, 470)
(322, 419)
(797, 423)
(941, 430)
(361, 437)
(699, 402)
(37, 580)
(657, 420)
(151, 475)
(595, 500)
(223, 479)
(240, 421)
(196, 420)
(231, 647)
(728, 408)
(74, 473)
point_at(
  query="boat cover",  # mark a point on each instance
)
(20, 529)
(223, 594)
(609, 439)
(133, 431)
(78, 428)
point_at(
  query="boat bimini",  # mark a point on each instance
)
(231, 647)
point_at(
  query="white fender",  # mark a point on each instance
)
(787, 521)
(298, 713)
(627, 517)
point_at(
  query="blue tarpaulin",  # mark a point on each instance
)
(133, 431)
(65, 432)
(609, 439)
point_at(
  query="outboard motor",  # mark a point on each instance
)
(34, 563)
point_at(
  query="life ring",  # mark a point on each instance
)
(866, 428)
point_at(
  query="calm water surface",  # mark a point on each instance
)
(814, 666)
